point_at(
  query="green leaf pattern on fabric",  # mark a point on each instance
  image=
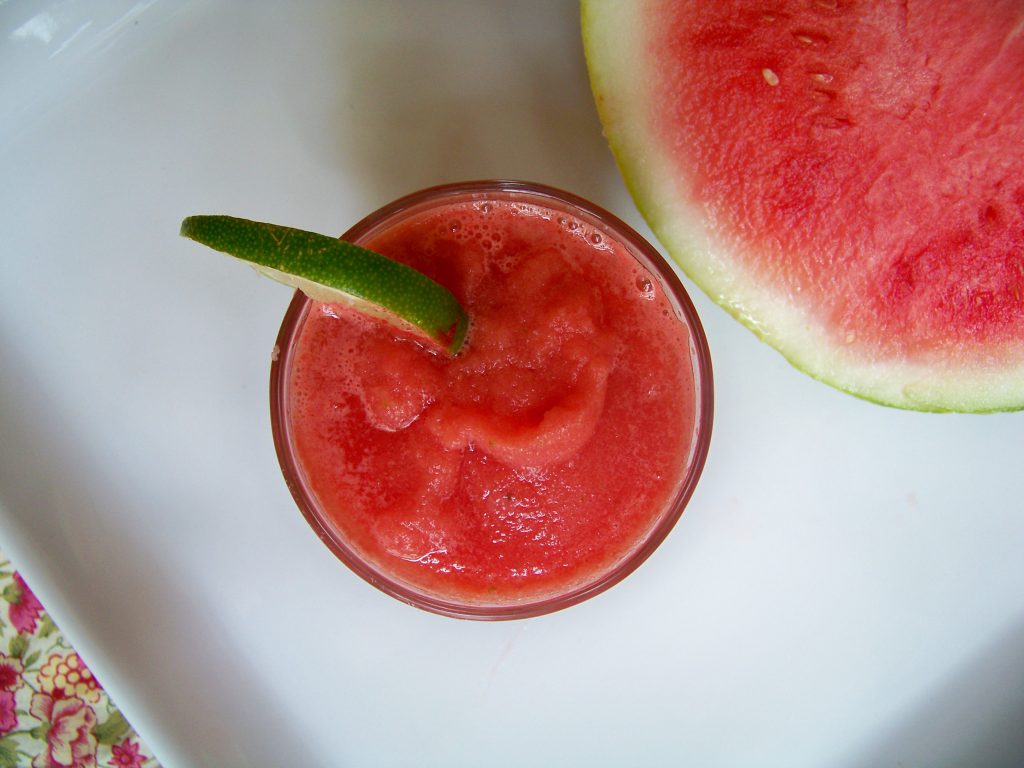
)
(112, 730)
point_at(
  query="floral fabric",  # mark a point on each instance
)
(53, 712)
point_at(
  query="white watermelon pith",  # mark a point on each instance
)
(846, 178)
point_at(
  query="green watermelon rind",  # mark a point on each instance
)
(611, 39)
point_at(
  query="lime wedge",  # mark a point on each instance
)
(331, 270)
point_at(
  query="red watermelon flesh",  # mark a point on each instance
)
(845, 177)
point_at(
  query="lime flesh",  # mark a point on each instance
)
(331, 270)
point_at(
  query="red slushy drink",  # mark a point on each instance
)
(544, 461)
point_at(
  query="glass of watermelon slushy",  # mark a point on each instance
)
(540, 465)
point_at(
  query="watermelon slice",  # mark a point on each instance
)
(845, 177)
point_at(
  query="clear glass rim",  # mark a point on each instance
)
(703, 385)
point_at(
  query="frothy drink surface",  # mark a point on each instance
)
(540, 456)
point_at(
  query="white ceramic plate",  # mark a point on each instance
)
(844, 590)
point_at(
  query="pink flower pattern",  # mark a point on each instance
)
(126, 755)
(53, 712)
(25, 608)
(70, 742)
(8, 712)
(11, 671)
